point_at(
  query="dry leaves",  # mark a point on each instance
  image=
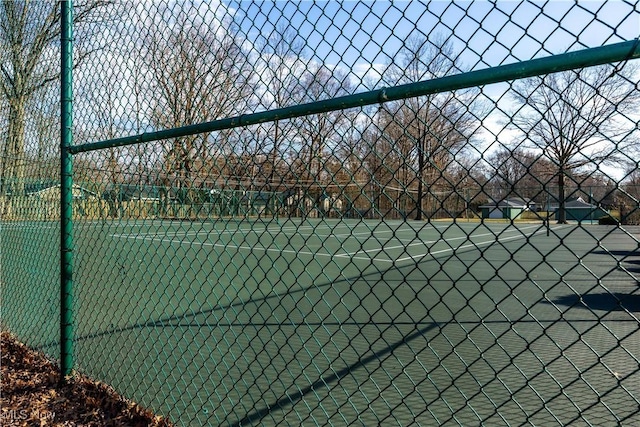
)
(31, 396)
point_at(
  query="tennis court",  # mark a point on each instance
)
(246, 322)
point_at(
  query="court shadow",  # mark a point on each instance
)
(630, 259)
(603, 301)
(631, 254)
(335, 375)
(632, 265)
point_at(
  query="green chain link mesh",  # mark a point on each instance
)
(460, 258)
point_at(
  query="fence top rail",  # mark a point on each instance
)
(562, 62)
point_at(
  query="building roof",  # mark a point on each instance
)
(510, 202)
(53, 190)
(579, 203)
(126, 192)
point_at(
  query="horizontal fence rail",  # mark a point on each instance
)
(586, 58)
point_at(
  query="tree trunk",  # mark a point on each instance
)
(14, 168)
(562, 215)
(421, 162)
(274, 158)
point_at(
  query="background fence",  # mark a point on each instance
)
(311, 213)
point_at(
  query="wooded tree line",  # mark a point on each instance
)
(169, 66)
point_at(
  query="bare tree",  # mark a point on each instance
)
(42, 122)
(387, 159)
(517, 172)
(199, 72)
(577, 118)
(321, 133)
(435, 127)
(280, 68)
(629, 197)
(358, 162)
(28, 63)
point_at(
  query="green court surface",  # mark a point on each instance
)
(344, 321)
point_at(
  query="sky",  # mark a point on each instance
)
(362, 38)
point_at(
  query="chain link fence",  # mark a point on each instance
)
(389, 213)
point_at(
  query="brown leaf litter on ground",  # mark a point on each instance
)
(30, 395)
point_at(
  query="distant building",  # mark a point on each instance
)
(509, 208)
(52, 192)
(127, 192)
(579, 210)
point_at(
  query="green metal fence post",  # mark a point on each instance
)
(66, 194)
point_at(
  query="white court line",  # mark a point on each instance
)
(38, 225)
(275, 230)
(226, 246)
(186, 233)
(473, 245)
(353, 255)
(215, 231)
(422, 243)
(32, 226)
